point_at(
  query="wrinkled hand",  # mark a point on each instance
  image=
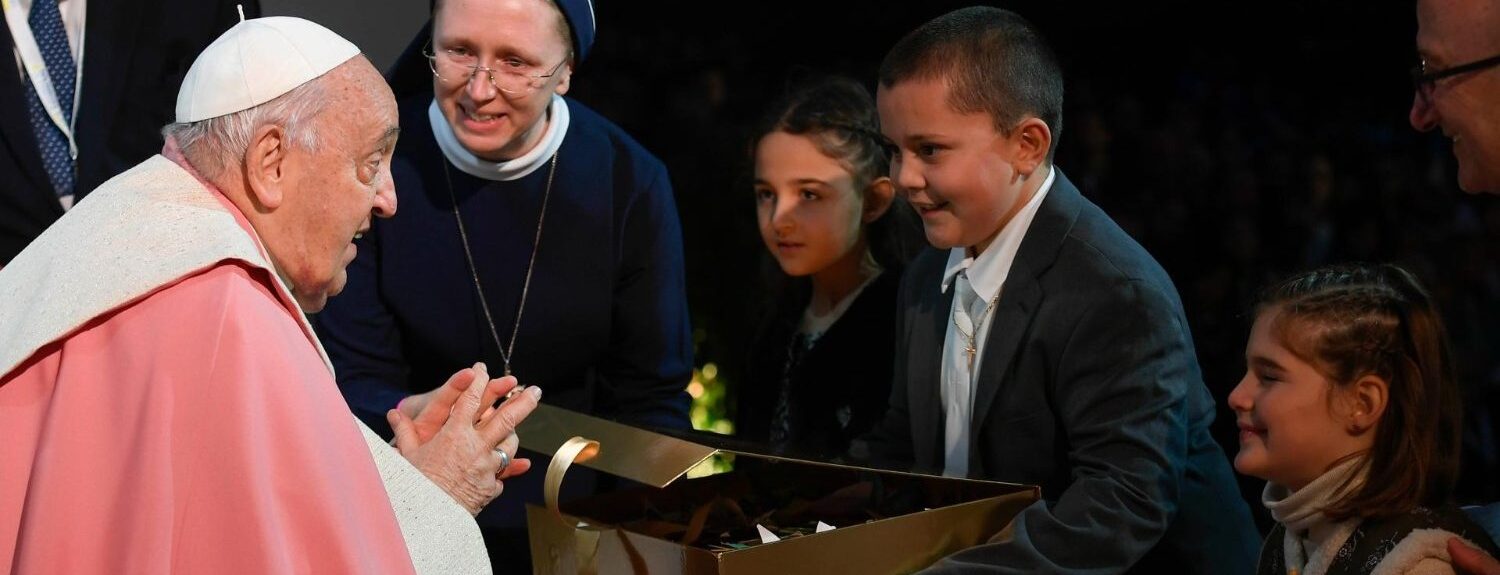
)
(460, 455)
(1470, 561)
(429, 411)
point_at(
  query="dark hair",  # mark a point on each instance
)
(839, 116)
(994, 61)
(1352, 321)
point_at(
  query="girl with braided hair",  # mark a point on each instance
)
(824, 208)
(1348, 409)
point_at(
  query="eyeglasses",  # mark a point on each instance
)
(1425, 82)
(456, 67)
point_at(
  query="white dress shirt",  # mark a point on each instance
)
(986, 273)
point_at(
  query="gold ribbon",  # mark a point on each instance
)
(577, 449)
(585, 537)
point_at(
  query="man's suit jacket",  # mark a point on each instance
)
(136, 53)
(1088, 387)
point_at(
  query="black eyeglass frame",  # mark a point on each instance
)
(1424, 82)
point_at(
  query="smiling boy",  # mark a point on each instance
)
(1039, 343)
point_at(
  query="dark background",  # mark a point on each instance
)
(1237, 142)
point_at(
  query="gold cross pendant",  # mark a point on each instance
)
(971, 351)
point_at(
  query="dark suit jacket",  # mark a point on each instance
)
(136, 53)
(836, 392)
(1089, 387)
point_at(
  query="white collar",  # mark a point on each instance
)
(515, 169)
(988, 271)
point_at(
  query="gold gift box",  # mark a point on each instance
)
(608, 533)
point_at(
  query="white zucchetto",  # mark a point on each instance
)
(254, 62)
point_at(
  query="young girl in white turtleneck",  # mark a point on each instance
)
(1348, 410)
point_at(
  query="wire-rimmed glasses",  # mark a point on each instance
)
(457, 66)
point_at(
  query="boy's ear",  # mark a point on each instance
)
(878, 197)
(265, 166)
(1030, 140)
(1367, 399)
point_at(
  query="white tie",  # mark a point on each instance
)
(969, 307)
(958, 384)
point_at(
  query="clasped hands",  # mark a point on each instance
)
(453, 434)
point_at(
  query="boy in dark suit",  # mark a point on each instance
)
(1039, 343)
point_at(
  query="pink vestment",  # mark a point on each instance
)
(194, 430)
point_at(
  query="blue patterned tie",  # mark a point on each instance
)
(52, 39)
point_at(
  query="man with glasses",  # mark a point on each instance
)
(1457, 86)
(534, 235)
(1457, 90)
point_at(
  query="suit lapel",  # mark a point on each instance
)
(15, 128)
(1019, 299)
(1012, 320)
(925, 365)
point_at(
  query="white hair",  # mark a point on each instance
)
(215, 144)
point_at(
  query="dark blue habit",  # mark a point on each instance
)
(605, 325)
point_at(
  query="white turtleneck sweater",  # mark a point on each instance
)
(1313, 539)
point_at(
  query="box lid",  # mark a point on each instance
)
(641, 455)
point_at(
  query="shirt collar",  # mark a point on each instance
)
(988, 271)
(515, 169)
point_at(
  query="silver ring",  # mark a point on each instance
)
(504, 460)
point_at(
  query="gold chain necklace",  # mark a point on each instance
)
(970, 346)
(505, 351)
